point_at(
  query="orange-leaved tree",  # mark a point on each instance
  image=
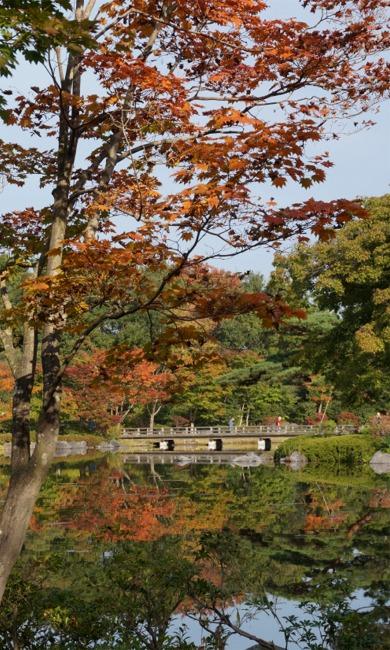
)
(154, 136)
(104, 388)
(6, 386)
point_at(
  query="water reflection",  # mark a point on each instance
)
(123, 554)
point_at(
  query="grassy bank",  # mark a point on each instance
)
(91, 439)
(333, 450)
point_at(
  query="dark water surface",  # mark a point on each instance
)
(136, 554)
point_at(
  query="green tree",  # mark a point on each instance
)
(29, 27)
(350, 276)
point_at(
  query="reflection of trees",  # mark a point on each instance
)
(111, 507)
(123, 589)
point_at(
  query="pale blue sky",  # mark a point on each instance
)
(361, 168)
(361, 162)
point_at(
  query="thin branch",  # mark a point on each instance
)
(88, 9)
(116, 315)
(264, 645)
(113, 147)
(60, 65)
(168, 23)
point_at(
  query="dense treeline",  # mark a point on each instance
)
(330, 364)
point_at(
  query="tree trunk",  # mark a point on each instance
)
(23, 490)
(15, 642)
(22, 362)
(324, 411)
(151, 419)
(241, 419)
(21, 422)
(21, 405)
(28, 473)
(155, 409)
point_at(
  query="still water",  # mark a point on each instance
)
(133, 553)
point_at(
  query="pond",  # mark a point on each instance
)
(128, 553)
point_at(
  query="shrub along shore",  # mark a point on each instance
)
(333, 450)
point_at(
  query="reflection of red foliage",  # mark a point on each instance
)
(380, 499)
(316, 523)
(111, 510)
(331, 517)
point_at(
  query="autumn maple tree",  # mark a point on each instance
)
(154, 133)
(105, 391)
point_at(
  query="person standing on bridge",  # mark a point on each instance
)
(231, 425)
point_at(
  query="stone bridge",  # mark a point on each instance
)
(253, 431)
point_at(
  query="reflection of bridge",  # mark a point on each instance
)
(182, 460)
(255, 431)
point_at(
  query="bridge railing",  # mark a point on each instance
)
(207, 431)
